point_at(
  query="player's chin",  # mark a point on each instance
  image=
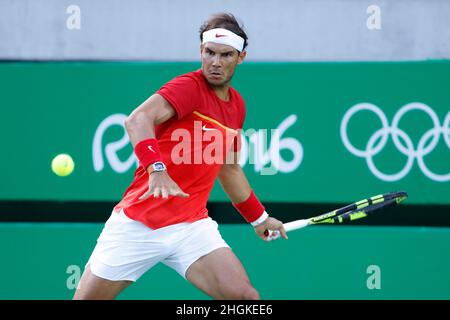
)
(217, 81)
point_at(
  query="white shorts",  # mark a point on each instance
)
(126, 248)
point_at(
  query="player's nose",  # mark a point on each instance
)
(216, 61)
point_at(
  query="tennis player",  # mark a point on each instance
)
(184, 136)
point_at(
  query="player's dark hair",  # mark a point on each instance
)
(226, 21)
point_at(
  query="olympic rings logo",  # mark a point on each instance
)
(396, 133)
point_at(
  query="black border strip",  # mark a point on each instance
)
(222, 212)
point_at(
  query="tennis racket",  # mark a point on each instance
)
(354, 211)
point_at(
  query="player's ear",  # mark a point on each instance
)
(242, 56)
(201, 48)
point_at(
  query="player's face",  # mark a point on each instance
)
(219, 62)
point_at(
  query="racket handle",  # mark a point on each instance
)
(293, 225)
(272, 235)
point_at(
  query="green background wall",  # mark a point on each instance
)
(315, 263)
(52, 108)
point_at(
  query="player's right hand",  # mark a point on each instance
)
(161, 184)
(270, 225)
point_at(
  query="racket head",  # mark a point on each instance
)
(360, 209)
(354, 211)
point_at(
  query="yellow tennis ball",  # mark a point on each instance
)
(63, 165)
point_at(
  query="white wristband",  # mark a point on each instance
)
(260, 220)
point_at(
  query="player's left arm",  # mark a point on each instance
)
(235, 184)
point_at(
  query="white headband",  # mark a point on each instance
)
(224, 36)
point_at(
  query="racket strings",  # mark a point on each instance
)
(362, 213)
(360, 209)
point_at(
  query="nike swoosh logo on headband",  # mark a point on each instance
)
(220, 35)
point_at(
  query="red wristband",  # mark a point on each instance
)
(147, 152)
(251, 209)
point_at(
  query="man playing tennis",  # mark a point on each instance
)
(181, 135)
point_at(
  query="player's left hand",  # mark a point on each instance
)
(270, 224)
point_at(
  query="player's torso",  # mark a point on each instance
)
(197, 145)
(194, 147)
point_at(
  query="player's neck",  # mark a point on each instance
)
(222, 92)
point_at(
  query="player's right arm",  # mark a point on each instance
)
(140, 125)
(141, 122)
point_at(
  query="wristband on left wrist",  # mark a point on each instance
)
(251, 209)
(260, 220)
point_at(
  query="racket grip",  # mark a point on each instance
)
(272, 235)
